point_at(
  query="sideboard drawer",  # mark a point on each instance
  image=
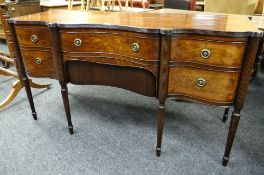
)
(212, 86)
(33, 36)
(38, 63)
(210, 52)
(113, 43)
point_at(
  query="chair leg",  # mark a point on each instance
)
(112, 5)
(120, 5)
(38, 86)
(7, 72)
(88, 5)
(82, 5)
(126, 5)
(143, 4)
(108, 3)
(5, 64)
(102, 5)
(17, 86)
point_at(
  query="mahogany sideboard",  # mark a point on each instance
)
(205, 58)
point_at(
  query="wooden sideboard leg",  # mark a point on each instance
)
(163, 85)
(64, 93)
(29, 96)
(225, 116)
(160, 123)
(241, 94)
(231, 135)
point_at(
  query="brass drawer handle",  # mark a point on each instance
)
(135, 47)
(77, 42)
(34, 38)
(38, 60)
(200, 82)
(205, 53)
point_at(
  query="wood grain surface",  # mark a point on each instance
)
(222, 53)
(219, 86)
(232, 25)
(44, 69)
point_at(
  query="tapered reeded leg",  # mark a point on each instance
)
(64, 93)
(231, 135)
(225, 116)
(29, 96)
(160, 122)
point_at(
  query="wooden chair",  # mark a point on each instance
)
(9, 59)
(180, 4)
(245, 7)
(110, 4)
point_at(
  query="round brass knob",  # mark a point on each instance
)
(13, 9)
(135, 47)
(200, 82)
(77, 42)
(38, 60)
(205, 53)
(34, 38)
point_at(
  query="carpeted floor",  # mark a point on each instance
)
(115, 133)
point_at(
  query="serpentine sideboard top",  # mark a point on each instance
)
(220, 24)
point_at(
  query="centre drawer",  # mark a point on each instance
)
(206, 85)
(214, 51)
(120, 43)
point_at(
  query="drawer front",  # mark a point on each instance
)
(33, 36)
(38, 63)
(211, 86)
(10, 45)
(24, 8)
(139, 46)
(215, 53)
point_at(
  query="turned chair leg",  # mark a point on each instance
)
(160, 123)
(102, 3)
(5, 64)
(120, 5)
(70, 4)
(38, 86)
(231, 135)
(88, 5)
(108, 3)
(6, 72)
(225, 116)
(143, 4)
(82, 5)
(16, 87)
(112, 4)
(64, 93)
